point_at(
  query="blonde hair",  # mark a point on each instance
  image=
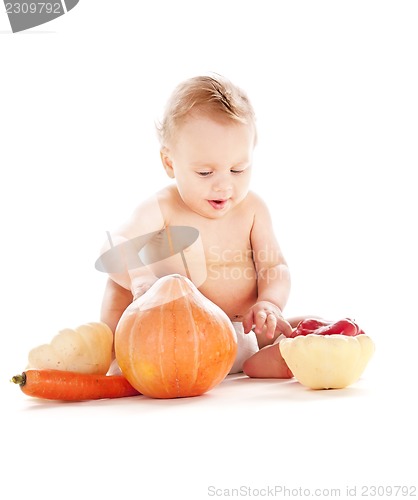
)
(209, 95)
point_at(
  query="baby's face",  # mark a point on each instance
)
(211, 161)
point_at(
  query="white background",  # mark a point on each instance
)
(334, 85)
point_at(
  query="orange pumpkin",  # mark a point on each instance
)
(173, 342)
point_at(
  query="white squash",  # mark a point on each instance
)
(85, 349)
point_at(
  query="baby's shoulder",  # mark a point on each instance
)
(255, 203)
(148, 215)
(156, 203)
(168, 196)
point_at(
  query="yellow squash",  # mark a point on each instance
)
(327, 361)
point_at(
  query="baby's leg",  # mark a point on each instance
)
(268, 361)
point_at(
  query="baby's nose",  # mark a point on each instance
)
(222, 184)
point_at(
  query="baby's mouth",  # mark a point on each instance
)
(218, 204)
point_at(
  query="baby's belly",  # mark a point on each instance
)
(231, 284)
(232, 288)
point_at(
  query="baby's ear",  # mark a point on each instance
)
(167, 162)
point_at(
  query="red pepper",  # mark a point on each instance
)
(309, 325)
(323, 327)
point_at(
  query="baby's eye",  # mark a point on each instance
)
(203, 174)
(237, 171)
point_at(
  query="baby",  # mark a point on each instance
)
(208, 225)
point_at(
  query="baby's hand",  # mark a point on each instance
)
(141, 284)
(266, 317)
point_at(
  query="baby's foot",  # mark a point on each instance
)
(267, 363)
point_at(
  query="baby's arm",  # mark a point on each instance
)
(273, 278)
(120, 254)
(115, 300)
(129, 278)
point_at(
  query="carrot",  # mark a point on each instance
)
(71, 386)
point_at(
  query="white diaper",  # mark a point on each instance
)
(247, 346)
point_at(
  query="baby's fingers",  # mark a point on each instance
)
(248, 322)
(284, 327)
(259, 321)
(271, 324)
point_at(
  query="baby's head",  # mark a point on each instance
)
(207, 138)
(212, 96)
